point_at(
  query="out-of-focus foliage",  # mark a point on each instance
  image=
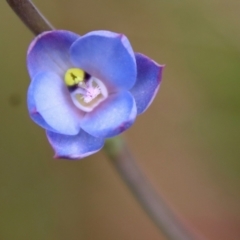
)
(187, 143)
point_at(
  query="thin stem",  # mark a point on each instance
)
(154, 205)
(30, 16)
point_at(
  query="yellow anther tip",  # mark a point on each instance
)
(74, 76)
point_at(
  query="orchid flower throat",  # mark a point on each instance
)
(86, 91)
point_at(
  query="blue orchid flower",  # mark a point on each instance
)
(85, 89)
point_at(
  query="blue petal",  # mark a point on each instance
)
(35, 116)
(149, 75)
(49, 51)
(54, 103)
(113, 116)
(107, 56)
(74, 147)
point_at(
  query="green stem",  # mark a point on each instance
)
(117, 150)
(30, 16)
(154, 205)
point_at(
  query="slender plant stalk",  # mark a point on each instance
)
(117, 150)
(154, 205)
(30, 16)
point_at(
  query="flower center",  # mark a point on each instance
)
(86, 91)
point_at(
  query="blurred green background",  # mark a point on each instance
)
(187, 142)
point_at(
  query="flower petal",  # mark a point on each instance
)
(107, 56)
(74, 147)
(53, 103)
(35, 116)
(49, 51)
(149, 75)
(113, 116)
